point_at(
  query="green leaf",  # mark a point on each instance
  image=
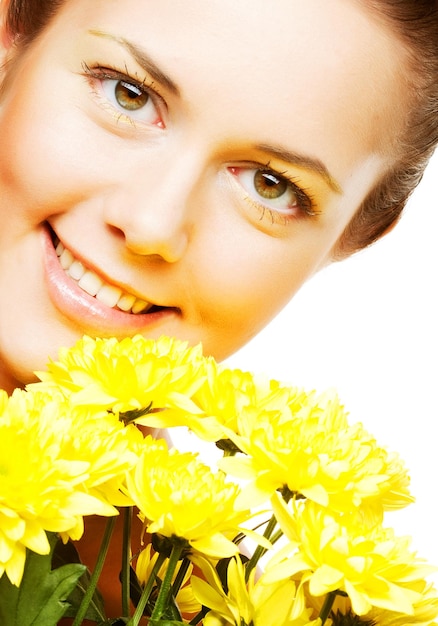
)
(41, 599)
(67, 553)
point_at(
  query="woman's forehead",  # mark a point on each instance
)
(318, 68)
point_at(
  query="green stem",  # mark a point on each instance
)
(126, 560)
(166, 586)
(260, 550)
(327, 606)
(135, 619)
(88, 596)
(278, 535)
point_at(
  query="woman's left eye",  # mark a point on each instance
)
(273, 191)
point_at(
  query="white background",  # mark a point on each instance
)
(368, 327)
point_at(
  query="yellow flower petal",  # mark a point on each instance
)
(308, 447)
(170, 488)
(373, 566)
(129, 374)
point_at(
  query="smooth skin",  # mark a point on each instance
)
(202, 157)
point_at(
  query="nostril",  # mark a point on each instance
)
(116, 232)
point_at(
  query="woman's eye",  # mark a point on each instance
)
(270, 186)
(130, 99)
(273, 191)
(127, 97)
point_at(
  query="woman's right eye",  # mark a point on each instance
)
(128, 98)
(131, 100)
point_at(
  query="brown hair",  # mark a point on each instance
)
(26, 19)
(415, 23)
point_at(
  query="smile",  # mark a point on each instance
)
(110, 295)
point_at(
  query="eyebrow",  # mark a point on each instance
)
(301, 160)
(142, 58)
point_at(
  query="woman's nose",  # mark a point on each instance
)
(153, 209)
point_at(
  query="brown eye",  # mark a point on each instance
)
(129, 96)
(273, 192)
(268, 185)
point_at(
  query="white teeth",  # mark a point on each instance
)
(109, 295)
(92, 284)
(59, 249)
(126, 302)
(76, 270)
(140, 306)
(66, 259)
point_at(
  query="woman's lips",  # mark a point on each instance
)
(90, 301)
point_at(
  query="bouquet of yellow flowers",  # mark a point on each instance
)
(287, 530)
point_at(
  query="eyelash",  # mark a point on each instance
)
(101, 73)
(305, 201)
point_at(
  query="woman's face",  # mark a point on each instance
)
(197, 161)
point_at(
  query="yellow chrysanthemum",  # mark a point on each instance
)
(247, 603)
(217, 401)
(221, 398)
(56, 465)
(373, 566)
(108, 448)
(179, 496)
(425, 610)
(313, 451)
(185, 600)
(130, 374)
(227, 393)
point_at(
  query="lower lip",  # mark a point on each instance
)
(85, 311)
